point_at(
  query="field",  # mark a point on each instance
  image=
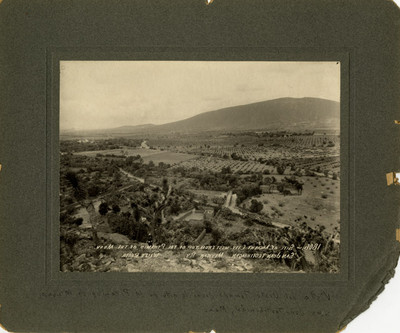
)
(250, 153)
(147, 155)
(319, 204)
(205, 189)
(217, 164)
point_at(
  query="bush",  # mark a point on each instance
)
(247, 191)
(216, 236)
(103, 208)
(125, 224)
(256, 206)
(281, 169)
(116, 209)
(324, 196)
(208, 226)
(93, 191)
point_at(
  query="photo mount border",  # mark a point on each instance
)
(347, 164)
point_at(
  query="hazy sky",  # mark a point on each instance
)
(107, 94)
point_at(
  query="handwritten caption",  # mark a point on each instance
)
(268, 251)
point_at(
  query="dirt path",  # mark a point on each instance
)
(129, 175)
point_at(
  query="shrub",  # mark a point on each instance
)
(93, 191)
(103, 208)
(256, 206)
(69, 238)
(216, 236)
(116, 209)
(208, 226)
(281, 169)
(324, 196)
(125, 224)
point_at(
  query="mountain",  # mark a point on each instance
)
(108, 131)
(282, 113)
(129, 129)
(277, 114)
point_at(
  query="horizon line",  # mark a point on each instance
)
(227, 107)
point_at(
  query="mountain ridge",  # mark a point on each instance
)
(286, 112)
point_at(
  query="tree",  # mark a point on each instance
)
(72, 178)
(103, 208)
(93, 190)
(208, 226)
(235, 156)
(281, 169)
(175, 207)
(216, 236)
(116, 209)
(165, 185)
(80, 194)
(256, 206)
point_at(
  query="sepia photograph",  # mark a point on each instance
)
(200, 166)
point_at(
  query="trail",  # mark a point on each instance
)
(126, 173)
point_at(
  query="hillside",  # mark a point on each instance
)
(280, 113)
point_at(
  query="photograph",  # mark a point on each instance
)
(199, 166)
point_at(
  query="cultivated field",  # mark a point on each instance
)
(147, 155)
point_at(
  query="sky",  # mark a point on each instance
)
(108, 94)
